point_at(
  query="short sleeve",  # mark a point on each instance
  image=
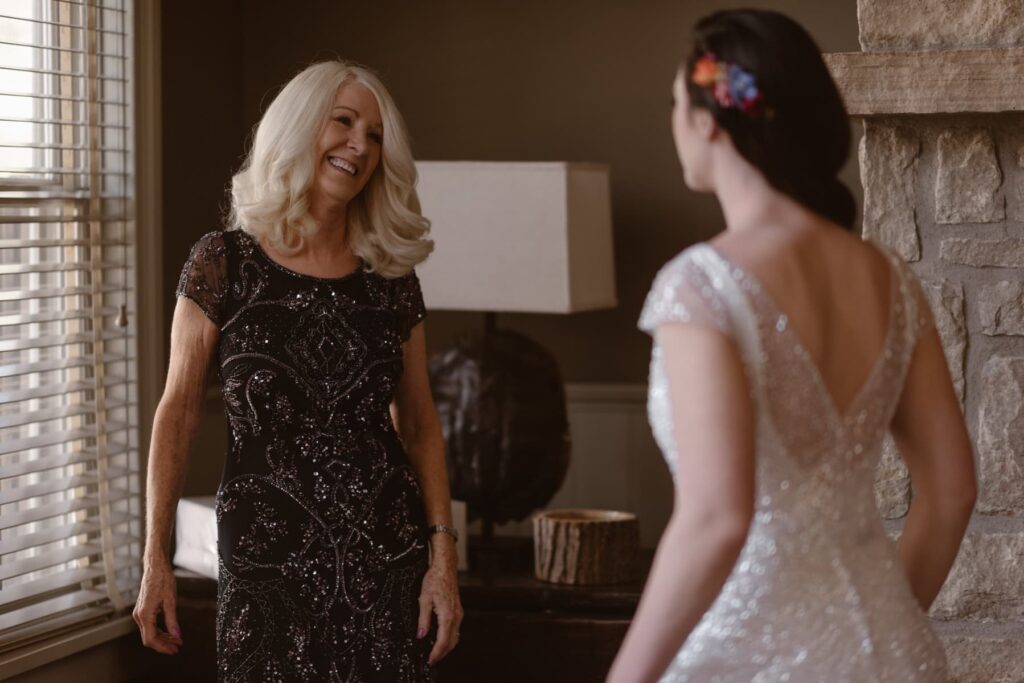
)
(685, 292)
(408, 303)
(204, 277)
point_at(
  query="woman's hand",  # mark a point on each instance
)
(158, 595)
(440, 595)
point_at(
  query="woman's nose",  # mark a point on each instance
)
(357, 141)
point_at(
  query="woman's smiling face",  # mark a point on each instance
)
(349, 147)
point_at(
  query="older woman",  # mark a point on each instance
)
(333, 513)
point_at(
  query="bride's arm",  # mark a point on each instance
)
(714, 501)
(931, 435)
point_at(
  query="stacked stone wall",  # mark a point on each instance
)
(947, 192)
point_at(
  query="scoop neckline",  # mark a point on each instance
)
(360, 266)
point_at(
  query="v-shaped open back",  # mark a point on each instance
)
(795, 396)
(766, 306)
(817, 592)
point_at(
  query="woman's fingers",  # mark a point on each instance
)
(426, 608)
(152, 637)
(449, 621)
(171, 620)
(445, 637)
(145, 615)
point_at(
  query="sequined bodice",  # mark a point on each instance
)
(817, 593)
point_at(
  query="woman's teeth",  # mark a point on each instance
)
(342, 165)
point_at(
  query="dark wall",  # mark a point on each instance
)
(203, 143)
(203, 123)
(579, 80)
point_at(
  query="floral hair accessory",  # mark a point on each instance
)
(732, 86)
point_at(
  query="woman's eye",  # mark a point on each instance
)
(376, 137)
(346, 120)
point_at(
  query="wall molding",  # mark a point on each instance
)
(149, 281)
(588, 393)
(930, 82)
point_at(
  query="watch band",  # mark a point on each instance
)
(443, 529)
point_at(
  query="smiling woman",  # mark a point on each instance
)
(333, 515)
(316, 114)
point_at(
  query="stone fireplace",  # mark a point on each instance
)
(939, 88)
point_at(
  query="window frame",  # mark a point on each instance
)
(147, 153)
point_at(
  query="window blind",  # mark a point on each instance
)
(70, 518)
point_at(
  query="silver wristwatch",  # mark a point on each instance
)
(443, 529)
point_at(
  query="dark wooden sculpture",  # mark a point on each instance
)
(502, 407)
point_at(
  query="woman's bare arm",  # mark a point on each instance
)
(714, 503)
(193, 340)
(420, 428)
(931, 435)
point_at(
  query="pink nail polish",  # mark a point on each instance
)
(421, 632)
(176, 633)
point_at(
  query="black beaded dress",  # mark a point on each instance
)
(322, 531)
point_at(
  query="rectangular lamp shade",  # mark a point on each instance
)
(530, 237)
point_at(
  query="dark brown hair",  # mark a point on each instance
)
(800, 138)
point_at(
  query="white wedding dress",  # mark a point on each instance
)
(817, 593)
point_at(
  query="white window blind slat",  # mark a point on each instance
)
(61, 507)
(70, 221)
(54, 439)
(66, 340)
(16, 369)
(63, 612)
(50, 292)
(52, 316)
(41, 465)
(44, 267)
(52, 582)
(54, 607)
(70, 527)
(47, 390)
(50, 486)
(44, 560)
(77, 99)
(22, 418)
(60, 122)
(15, 544)
(62, 74)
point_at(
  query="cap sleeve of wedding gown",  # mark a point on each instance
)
(685, 291)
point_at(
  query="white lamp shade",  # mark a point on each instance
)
(510, 236)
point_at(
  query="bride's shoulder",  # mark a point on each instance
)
(687, 262)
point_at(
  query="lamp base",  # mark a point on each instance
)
(501, 403)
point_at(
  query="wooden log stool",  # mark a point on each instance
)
(585, 547)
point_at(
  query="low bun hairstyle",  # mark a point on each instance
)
(801, 138)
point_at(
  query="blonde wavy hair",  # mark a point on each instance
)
(270, 194)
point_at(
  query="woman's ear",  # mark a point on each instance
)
(704, 123)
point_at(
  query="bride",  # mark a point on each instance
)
(785, 350)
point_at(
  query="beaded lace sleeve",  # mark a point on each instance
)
(204, 277)
(408, 303)
(684, 292)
